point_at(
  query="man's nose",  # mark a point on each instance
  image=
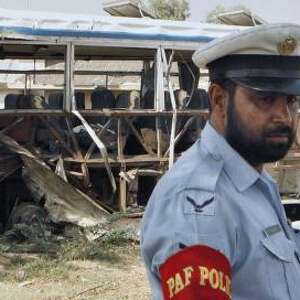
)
(282, 112)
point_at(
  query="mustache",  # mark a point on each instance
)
(279, 131)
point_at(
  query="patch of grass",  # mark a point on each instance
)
(46, 268)
(107, 248)
(114, 246)
(41, 267)
(117, 237)
(18, 261)
(4, 246)
(85, 250)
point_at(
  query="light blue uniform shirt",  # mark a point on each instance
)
(245, 221)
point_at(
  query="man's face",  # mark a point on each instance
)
(261, 126)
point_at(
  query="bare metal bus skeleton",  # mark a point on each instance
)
(69, 38)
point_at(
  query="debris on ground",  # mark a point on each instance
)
(9, 163)
(56, 232)
(63, 201)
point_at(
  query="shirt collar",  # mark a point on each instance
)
(268, 176)
(240, 172)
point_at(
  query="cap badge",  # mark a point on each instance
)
(288, 46)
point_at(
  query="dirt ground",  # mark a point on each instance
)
(110, 270)
(88, 280)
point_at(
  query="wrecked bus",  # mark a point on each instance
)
(95, 107)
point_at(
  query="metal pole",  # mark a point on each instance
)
(158, 98)
(69, 82)
(167, 79)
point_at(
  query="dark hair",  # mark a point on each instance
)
(227, 84)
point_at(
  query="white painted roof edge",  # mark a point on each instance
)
(33, 23)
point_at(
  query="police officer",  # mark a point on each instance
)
(218, 193)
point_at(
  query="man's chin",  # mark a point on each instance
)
(267, 153)
(277, 153)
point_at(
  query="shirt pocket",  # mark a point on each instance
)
(279, 259)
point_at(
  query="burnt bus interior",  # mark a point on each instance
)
(140, 128)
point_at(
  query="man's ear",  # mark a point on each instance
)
(218, 98)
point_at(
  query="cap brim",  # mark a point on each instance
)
(287, 86)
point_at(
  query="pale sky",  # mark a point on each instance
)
(271, 11)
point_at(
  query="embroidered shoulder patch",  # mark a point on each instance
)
(196, 273)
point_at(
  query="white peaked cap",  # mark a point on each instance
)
(265, 57)
(267, 39)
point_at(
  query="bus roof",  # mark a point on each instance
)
(29, 25)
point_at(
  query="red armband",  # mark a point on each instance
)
(196, 273)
